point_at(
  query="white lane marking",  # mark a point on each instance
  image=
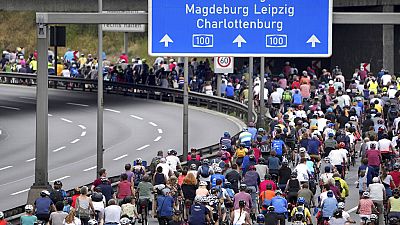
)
(77, 104)
(112, 110)
(120, 157)
(90, 168)
(143, 147)
(0, 132)
(49, 115)
(19, 192)
(29, 98)
(59, 149)
(74, 141)
(61, 178)
(136, 117)
(352, 209)
(83, 133)
(153, 124)
(7, 107)
(6, 167)
(82, 127)
(158, 138)
(30, 160)
(66, 120)
(160, 131)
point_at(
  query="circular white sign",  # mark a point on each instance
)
(224, 61)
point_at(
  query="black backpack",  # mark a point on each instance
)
(97, 197)
(56, 196)
(205, 171)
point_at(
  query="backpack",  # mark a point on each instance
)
(224, 155)
(287, 96)
(138, 177)
(97, 197)
(240, 153)
(205, 171)
(264, 149)
(56, 196)
(339, 186)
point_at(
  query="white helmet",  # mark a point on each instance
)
(1, 215)
(218, 169)
(341, 205)
(366, 194)
(92, 222)
(125, 221)
(29, 208)
(198, 198)
(353, 118)
(302, 149)
(203, 183)
(45, 193)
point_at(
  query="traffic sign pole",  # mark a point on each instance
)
(100, 99)
(185, 110)
(250, 88)
(262, 83)
(126, 44)
(219, 78)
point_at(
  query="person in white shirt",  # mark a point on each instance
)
(386, 78)
(346, 97)
(338, 156)
(377, 194)
(302, 171)
(172, 160)
(385, 145)
(392, 91)
(167, 171)
(276, 97)
(112, 213)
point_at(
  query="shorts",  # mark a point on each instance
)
(365, 216)
(386, 156)
(316, 157)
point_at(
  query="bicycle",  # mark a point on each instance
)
(144, 211)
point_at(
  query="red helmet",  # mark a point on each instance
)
(342, 145)
(300, 106)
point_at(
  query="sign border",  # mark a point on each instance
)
(329, 54)
(230, 61)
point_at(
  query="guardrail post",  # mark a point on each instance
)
(219, 108)
(173, 98)
(198, 102)
(148, 95)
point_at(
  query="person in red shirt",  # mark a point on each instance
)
(296, 84)
(396, 175)
(102, 174)
(77, 193)
(263, 185)
(2, 220)
(256, 151)
(374, 158)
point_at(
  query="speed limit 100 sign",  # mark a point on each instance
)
(223, 64)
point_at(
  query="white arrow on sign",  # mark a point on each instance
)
(239, 40)
(166, 39)
(313, 39)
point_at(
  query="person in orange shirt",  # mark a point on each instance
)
(267, 195)
(305, 78)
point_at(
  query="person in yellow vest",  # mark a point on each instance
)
(60, 68)
(82, 61)
(373, 85)
(33, 65)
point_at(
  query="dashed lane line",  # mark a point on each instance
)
(77, 104)
(59, 149)
(136, 117)
(19, 192)
(8, 107)
(143, 147)
(157, 139)
(60, 179)
(120, 157)
(6, 167)
(83, 133)
(112, 110)
(49, 115)
(74, 141)
(153, 124)
(160, 131)
(66, 120)
(90, 168)
(82, 127)
(30, 160)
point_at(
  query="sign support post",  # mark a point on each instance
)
(262, 84)
(100, 99)
(185, 110)
(126, 43)
(250, 88)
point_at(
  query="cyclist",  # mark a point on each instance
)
(377, 195)
(204, 171)
(43, 206)
(292, 188)
(138, 171)
(300, 213)
(345, 215)
(338, 158)
(172, 160)
(365, 208)
(243, 196)
(274, 163)
(280, 205)
(144, 190)
(199, 214)
(341, 184)
(328, 206)
(261, 168)
(165, 204)
(28, 218)
(267, 181)
(284, 174)
(240, 215)
(56, 218)
(394, 204)
(202, 190)
(217, 176)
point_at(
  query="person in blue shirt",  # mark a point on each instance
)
(198, 212)
(251, 129)
(43, 206)
(217, 176)
(328, 206)
(274, 163)
(278, 146)
(230, 91)
(280, 204)
(165, 207)
(296, 98)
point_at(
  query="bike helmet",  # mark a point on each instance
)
(342, 145)
(261, 161)
(243, 187)
(203, 183)
(223, 147)
(271, 208)
(393, 220)
(1, 215)
(218, 170)
(94, 222)
(301, 201)
(374, 217)
(166, 191)
(331, 124)
(305, 125)
(193, 167)
(260, 218)
(44, 193)
(353, 118)
(294, 174)
(285, 162)
(206, 161)
(227, 184)
(341, 205)
(331, 134)
(302, 150)
(366, 194)
(278, 192)
(28, 208)
(372, 146)
(139, 160)
(198, 198)
(327, 160)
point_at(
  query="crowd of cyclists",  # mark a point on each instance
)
(292, 171)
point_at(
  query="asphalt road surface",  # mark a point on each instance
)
(132, 128)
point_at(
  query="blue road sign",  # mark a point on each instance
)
(270, 28)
